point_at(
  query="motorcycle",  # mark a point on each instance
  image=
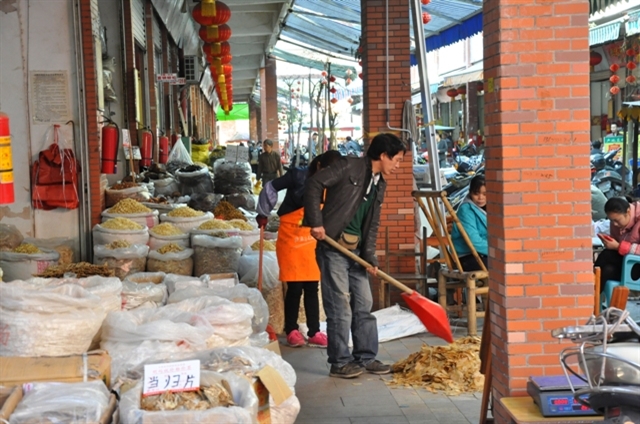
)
(608, 357)
(606, 174)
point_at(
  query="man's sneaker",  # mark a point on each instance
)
(350, 370)
(295, 339)
(318, 340)
(377, 367)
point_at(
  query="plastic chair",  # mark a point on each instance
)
(627, 278)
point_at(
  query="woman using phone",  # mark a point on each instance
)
(624, 238)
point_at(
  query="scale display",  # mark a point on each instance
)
(555, 398)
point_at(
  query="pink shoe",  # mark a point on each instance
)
(319, 340)
(295, 339)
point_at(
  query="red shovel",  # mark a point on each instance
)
(432, 315)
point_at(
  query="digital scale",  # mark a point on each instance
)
(554, 397)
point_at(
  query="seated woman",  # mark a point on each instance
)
(473, 216)
(624, 239)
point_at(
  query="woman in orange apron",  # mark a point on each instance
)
(295, 250)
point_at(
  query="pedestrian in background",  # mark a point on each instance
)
(269, 163)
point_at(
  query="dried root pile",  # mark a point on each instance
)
(81, 270)
(205, 398)
(452, 369)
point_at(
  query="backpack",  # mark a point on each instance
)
(54, 178)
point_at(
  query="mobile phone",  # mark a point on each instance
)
(605, 237)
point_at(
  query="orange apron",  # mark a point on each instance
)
(296, 249)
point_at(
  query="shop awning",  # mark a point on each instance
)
(632, 26)
(417, 97)
(474, 72)
(239, 111)
(604, 33)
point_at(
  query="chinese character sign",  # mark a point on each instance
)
(613, 142)
(172, 377)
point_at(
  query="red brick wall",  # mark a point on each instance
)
(397, 212)
(96, 200)
(537, 126)
(269, 101)
(254, 121)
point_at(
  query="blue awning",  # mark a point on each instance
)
(604, 33)
(632, 26)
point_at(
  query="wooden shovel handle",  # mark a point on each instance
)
(349, 254)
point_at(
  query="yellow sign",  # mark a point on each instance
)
(490, 85)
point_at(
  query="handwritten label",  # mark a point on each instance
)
(126, 139)
(171, 377)
(237, 154)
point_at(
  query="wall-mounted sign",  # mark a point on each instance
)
(167, 78)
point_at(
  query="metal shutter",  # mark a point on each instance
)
(137, 19)
(157, 34)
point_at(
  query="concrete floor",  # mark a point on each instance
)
(367, 399)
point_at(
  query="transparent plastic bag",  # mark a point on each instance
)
(140, 193)
(244, 397)
(239, 294)
(146, 277)
(179, 155)
(176, 282)
(249, 237)
(180, 263)
(66, 247)
(166, 186)
(137, 294)
(47, 321)
(62, 403)
(22, 266)
(148, 219)
(125, 261)
(103, 235)
(156, 241)
(221, 281)
(186, 223)
(232, 177)
(244, 201)
(272, 289)
(205, 202)
(10, 237)
(108, 289)
(216, 255)
(195, 182)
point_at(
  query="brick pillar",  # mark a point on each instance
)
(254, 121)
(151, 78)
(269, 101)
(397, 212)
(96, 199)
(536, 72)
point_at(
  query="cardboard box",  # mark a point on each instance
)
(16, 370)
(274, 347)
(110, 415)
(269, 383)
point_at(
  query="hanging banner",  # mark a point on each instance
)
(613, 142)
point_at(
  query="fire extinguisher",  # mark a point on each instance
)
(163, 142)
(146, 147)
(7, 194)
(110, 143)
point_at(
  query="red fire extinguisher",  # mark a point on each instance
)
(163, 142)
(146, 147)
(7, 194)
(110, 143)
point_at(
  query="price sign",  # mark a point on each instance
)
(243, 154)
(136, 153)
(126, 139)
(171, 377)
(231, 153)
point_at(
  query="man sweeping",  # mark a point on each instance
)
(353, 191)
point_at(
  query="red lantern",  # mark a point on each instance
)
(361, 75)
(332, 78)
(595, 58)
(334, 100)
(426, 18)
(614, 68)
(333, 90)
(293, 91)
(360, 63)
(615, 90)
(348, 81)
(631, 66)
(631, 52)
(217, 49)
(614, 79)
(350, 100)
(214, 33)
(222, 15)
(462, 90)
(426, 2)
(631, 79)
(480, 86)
(324, 73)
(452, 92)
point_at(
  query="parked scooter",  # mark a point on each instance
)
(608, 357)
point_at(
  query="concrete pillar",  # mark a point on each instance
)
(397, 212)
(536, 68)
(269, 101)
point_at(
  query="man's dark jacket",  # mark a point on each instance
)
(346, 182)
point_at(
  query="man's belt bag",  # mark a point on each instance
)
(349, 241)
